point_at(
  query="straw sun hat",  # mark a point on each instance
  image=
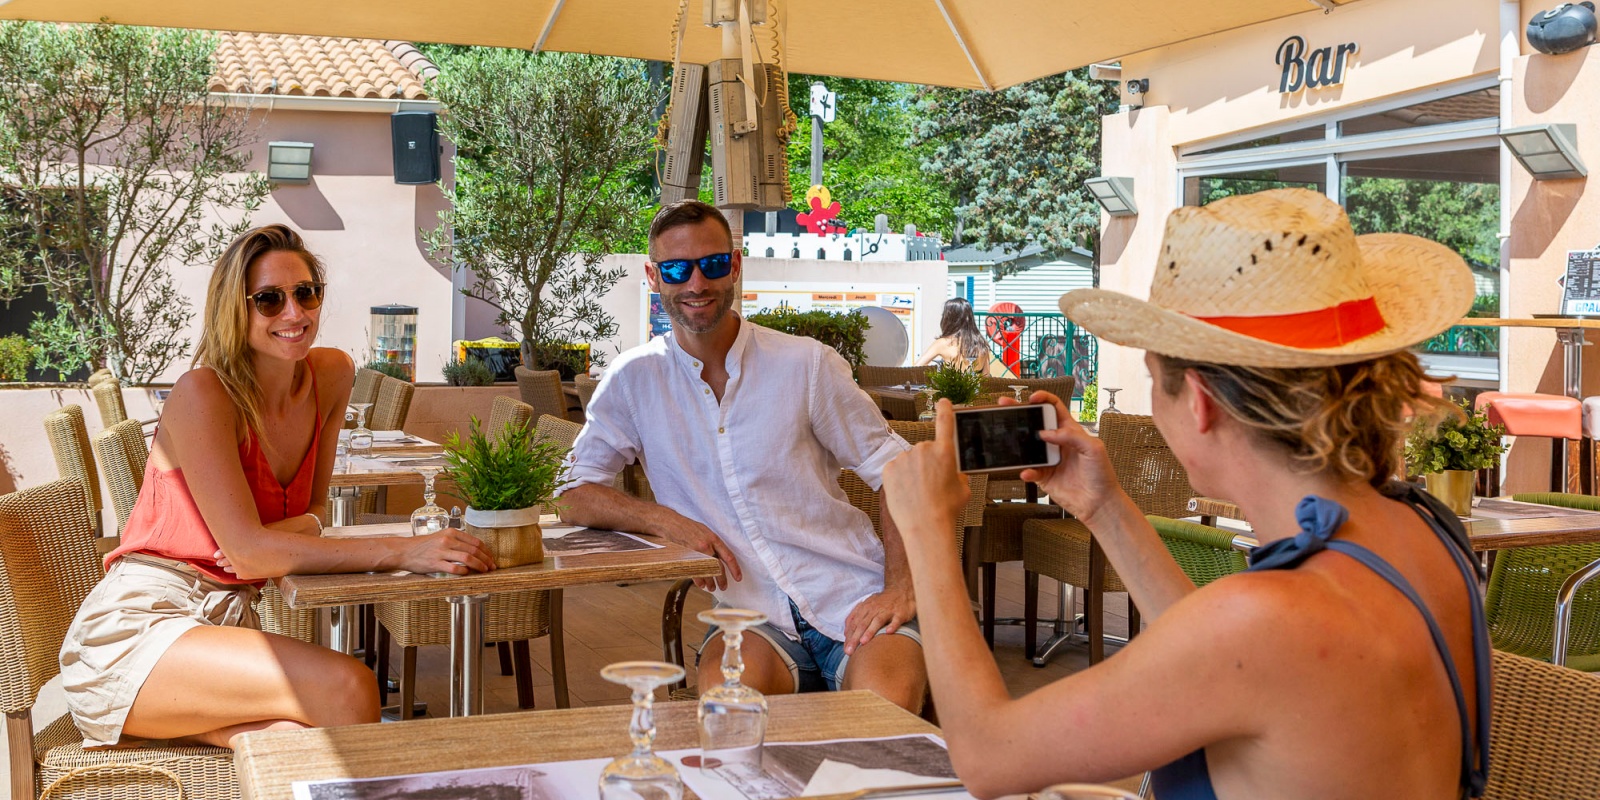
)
(1278, 279)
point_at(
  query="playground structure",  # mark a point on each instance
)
(1035, 345)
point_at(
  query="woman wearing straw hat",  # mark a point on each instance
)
(1351, 659)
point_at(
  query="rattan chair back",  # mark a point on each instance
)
(585, 386)
(1542, 742)
(1060, 387)
(542, 390)
(69, 442)
(392, 406)
(108, 397)
(868, 375)
(365, 390)
(1520, 602)
(1145, 466)
(1205, 553)
(99, 375)
(508, 412)
(122, 455)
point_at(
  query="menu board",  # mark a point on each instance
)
(1582, 286)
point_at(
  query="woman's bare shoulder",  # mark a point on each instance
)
(332, 365)
(200, 404)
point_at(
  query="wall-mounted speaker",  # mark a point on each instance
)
(416, 146)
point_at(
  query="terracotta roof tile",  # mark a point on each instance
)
(262, 63)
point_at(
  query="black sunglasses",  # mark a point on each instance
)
(269, 301)
(678, 270)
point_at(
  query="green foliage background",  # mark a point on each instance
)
(845, 333)
(1461, 441)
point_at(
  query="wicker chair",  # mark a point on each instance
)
(1205, 553)
(513, 618)
(542, 390)
(99, 375)
(108, 396)
(868, 375)
(1542, 744)
(365, 390)
(69, 441)
(585, 386)
(388, 414)
(1521, 598)
(1062, 549)
(122, 454)
(47, 567)
(1060, 387)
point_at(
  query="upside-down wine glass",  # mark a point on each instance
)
(1017, 389)
(1111, 400)
(641, 774)
(430, 518)
(928, 414)
(360, 438)
(733, 717)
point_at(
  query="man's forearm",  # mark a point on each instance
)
(595, 505)
(896, 567)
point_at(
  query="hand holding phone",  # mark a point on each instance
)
(1003, 438)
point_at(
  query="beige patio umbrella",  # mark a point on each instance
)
(963, 43)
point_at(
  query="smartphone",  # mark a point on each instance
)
(996, 438)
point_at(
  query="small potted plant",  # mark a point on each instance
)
(506, 480)
(956, 382)
(1447, 453)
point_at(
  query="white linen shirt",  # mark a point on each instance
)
(760, 469)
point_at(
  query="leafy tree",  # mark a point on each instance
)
(869, 164)
(114, 154)
(545, 144)
(1463, 216)
(1016, 159)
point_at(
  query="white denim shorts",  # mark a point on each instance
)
(126, 624)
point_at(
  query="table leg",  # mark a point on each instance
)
(466, 655)
(1572, 344)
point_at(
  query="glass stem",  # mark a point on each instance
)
(642, 729)
(732, 659)
(427, 488)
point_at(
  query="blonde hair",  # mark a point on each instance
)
(1350, 420)
(225, 334)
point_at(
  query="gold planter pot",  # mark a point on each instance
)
(513, 537)
(1453, 487)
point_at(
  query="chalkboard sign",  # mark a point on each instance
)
(1581, 297)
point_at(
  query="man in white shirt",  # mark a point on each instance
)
(742, 432)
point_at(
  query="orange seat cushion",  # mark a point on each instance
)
(1552, 415)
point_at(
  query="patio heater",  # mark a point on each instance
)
(394, 337)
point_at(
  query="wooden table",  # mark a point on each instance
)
(269, 762)
(466, 594)
(898, 402)
(1484, 534)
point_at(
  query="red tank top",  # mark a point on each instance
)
(166, 522)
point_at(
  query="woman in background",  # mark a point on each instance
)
(959, 338)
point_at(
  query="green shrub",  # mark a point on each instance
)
(513, 471)
(955, 382)
(471, 372)
(1460, 441)
(15, 357)
(390, 368)
(845, 333)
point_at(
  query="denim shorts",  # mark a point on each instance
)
(816, 663)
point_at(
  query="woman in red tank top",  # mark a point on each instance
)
(167, 646)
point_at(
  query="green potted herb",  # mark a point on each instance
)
(1447, 453)
(506, 481)
(956, 382)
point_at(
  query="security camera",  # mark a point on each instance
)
(1563, 29)
(1139, 86)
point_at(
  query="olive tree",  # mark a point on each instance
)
(544, 143)
(115, 160)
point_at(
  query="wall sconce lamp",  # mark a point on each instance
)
(1115, 195)
(289, 162)
(1547, 152)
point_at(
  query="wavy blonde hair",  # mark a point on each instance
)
(1350, 420)
(225, 335)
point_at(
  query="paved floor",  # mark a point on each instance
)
(618, 623)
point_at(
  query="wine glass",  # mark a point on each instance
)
(1017, 389)
(1111, 400)
(1085, 791)
(430, 518)
(641, 774)
(733, 717)
(928, 414)
(360, 438)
